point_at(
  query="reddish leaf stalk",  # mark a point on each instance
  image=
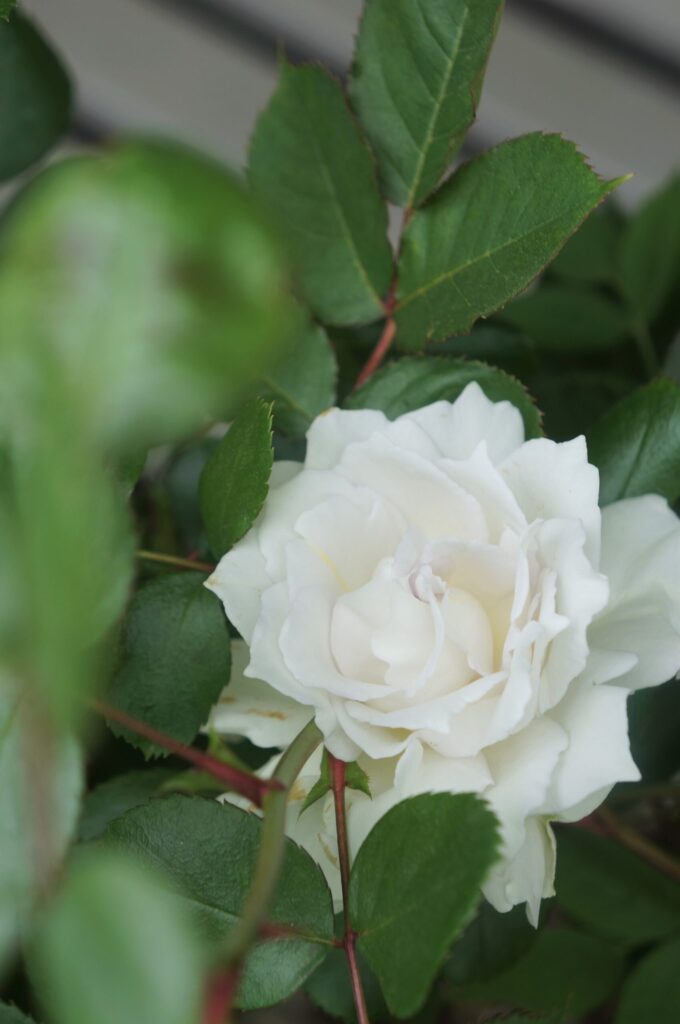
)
(249, 786)
(379, 352)
(220, 997)
(645, 848)
(338, 784)
(191, 564)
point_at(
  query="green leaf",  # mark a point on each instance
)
(209, 850)
(113, 798)
(175, 658)
(566, 320)
(636, 446)
(235, 480)
(488, 232)
(612, 892)
(591, 255)
(162, 294)
(563, 970)
(573, 398)
(116, 947)
(650, 253)
(355, 778)
(35, 94)
(652, 992)
(415, 884)
(311, 166)
(330, 989)
(410, 383)
(10, 1015)
(490, 944)
(416, 80)
(654, 728)
(31, 778)
(303, 384)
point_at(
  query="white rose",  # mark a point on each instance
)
(449, 604)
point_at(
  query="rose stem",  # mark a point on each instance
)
(220, 997)
(250, 786)
(379, 352)
(272, 846)
(638, 844)
(178, 563)
(338, 783)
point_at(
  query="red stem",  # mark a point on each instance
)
(249, 786)
(338, 784)
(220, 998)
(379, 352)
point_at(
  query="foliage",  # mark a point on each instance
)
(149, 300)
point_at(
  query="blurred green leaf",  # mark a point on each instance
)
(654, 726)
(410, 383)
(10, 1015)
(636, 446)
(650, 254)
(613, 893)
(566, 319)
(209, 850)
(330, 989)
(114, 797)
(416, 81)
(409, 897)
(35, 94)
(303, 384)
(652, 992)
(490, 944)
(572, 398)
(564, 970)
(488, 232)
(494, 343)
(591, 255)
(162, 294)
(40, 789)
(115, 947)
(310, 164)
(235, 480)
(175, 658)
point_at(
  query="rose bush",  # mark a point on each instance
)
(449, 604)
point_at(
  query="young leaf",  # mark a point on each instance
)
(415, 884)
(25, 851)
(416, 80)
(310, 164)
(355, 778)
(235, 480)
(209, 850)
(155, 265)
(563, 970)
(10, 1015)
(410, 383)
(35, 94)
(652, 992)
(612, 892)
(488, 232)
(490, 944)
(118, 795)
(115, 947)
(175, 658)
(303, 384)
(568, 320)
(636, 446)
(650, 253)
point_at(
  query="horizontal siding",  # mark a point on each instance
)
(175, 66)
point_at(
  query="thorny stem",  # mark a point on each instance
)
(338, 785)
(174, 560)
(272, 845)
(638, 844)
(250, 786)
